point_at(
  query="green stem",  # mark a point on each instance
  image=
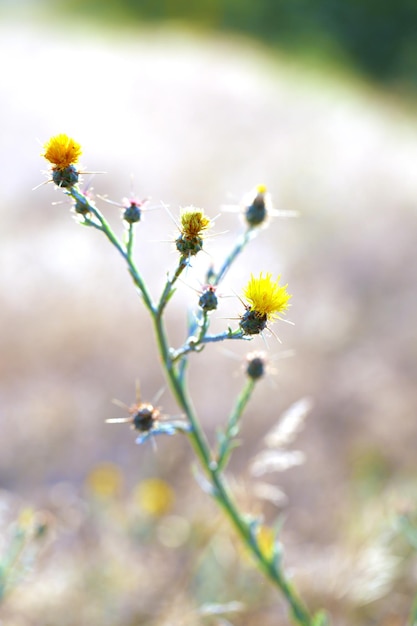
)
(299, 613)
(227, 439)
(204, 324)
(210, 467)
(241, 403)
(176, 378)
(130, 240)
(193, 344)
(126, 252)
(168, 290)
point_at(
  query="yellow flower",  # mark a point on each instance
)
(266, 541)
(266, 300)
(154, 496)
(62, 151)
(266, 297)
(193, 222)
(26, 517)
(105, 480)
(193, 225)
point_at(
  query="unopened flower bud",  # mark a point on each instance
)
(255, 365)
(132, 213)
(208, 299)
(144, 417)
(81, 205)
(256, 212)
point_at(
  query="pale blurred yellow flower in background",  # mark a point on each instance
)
(154, 496)
(105, 480)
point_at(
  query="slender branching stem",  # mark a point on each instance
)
(174, 364)
(195, 344)
(178, 389)
(299, 613)
(126, 252)
(130, 240)
(169, 286)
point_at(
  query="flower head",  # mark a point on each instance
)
(133, 211)
(105, 480)
(193, 225)
(148, 421)
(154, 496)
(62, 151)
(256, 208)
(267, 299)
(194, 222)
(266, 539)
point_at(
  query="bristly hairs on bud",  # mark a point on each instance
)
(148, 420)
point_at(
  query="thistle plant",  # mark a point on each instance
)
(264, 301)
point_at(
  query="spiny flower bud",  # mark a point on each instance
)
(144, 417)
(132, 213)
(147, 419)
(255, 365)
(208, 300)
(256, 212)
(81, 205)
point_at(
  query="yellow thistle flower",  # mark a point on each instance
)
(62, 151)
(193, 225)
(193, 222)
(267, 298)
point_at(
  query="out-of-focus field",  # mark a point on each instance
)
(201, 121)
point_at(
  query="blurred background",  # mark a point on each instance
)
(196, 103)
